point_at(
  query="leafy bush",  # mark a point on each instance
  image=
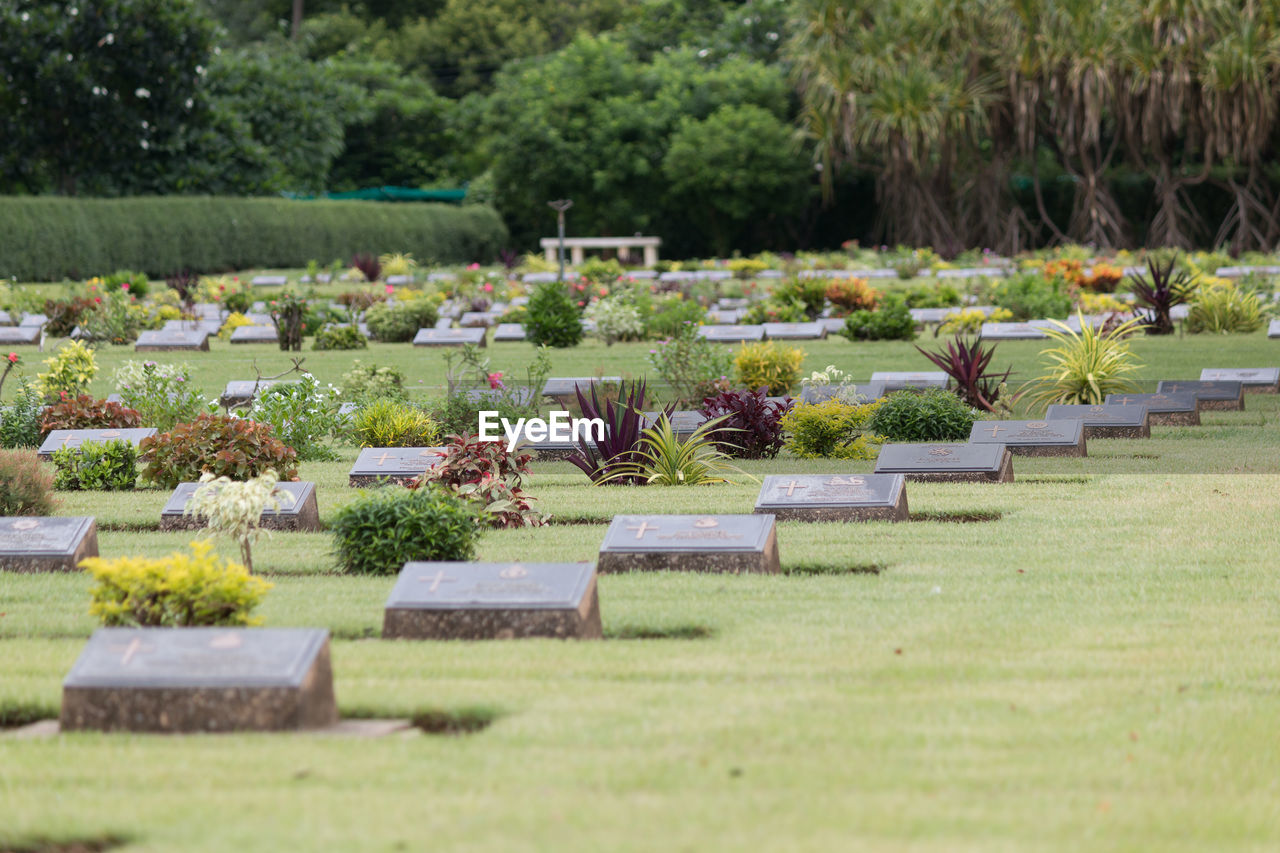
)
(92, 467)
(663, 459)
(693, 367)
(1224, 308)
(966, 362)
(391, 423)
(935, 415)
(71, 370)
(400, 322)
(302, 414)
(118, 318)
(853, 294)
(65, 315)
(162, 394)
(84, 412)
(380, 531)
(601, 271)
(553, 319)
(20, 420)
(219, 444)
(832, 429)
(750, 424)
(809, 293)
(289, 316)
(1166, 288)
(369, 265)
(623, 419)
(366, 383)
(775, 311)
(180, 590)
(234, 321)
(333, 337)
(938, 295)
(970, 320)
(134, 283)
(667, 316)
(616, 319)
(234, 509)
(26, 484)
(768, 365)
(890, 322)
(1031, 296)
(1086, 366)
(490, 477)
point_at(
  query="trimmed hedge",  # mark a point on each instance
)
(46, 238)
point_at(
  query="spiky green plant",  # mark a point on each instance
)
(1086, 366)
(664, 460)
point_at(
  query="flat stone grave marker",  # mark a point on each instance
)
(960, 463)
(732, 303)
(794, 331)
(195, 340)
(1105, 421)
(1256, 380)
(241, 391)
(833, 325)
(540, 277)
(1217, 395)
(449, 337)
(731, 544)
(378, 465)
(931, 315)
(180, 680)
(208, 310)
(724, 316)
(897, 380)
(60, 438)
(677, 275)
(441, 276)
(5, 318)
(973, 272)
(1162, 409)
(1095, 321)
(834, 497)
(712, 275)
(269, 280)
(521, 394)
(33, 320)
(1031, 331)
(20, 335)
(509, 332)
(731, 334)
(683, 422)
(47, 544)
(642, 274)
(298, 510)
(865, 392)
(478, 319)
(1273, 330)
(1033, 438)
(562, 387)
(210, 327)
(399, 280)
(493, 601)
(444, 323)
(259, 318)
(1239, 272)
(254, 335)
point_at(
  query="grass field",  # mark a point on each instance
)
(1097, 666)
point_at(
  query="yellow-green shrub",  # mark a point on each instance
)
(234, 321)
(831, 429)
(71, 370)
(770, 365)
(180, 590)
(970, 320)
(390, 423)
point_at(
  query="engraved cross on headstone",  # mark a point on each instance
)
(384, 457)
(792, 486)
(642, 528)
(439, 578)
(996, 429)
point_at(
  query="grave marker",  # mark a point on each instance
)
(269, 280)
(46, 544)
(834, 497)
(509, 332)
(449, 337)
(1032, 331)
(897, 380)
(493, 601)
(1105, 421)
(376, 466)
(731, 334)
(1220, 395)
(298, 510)
(959, 463)
(1273, 329)
(60, 438)
(732, 544)
(20, 335)
(562, 388)
(1256, 380)
(177, 680)
(1033, 438)
(240, 392)
(1162, 409)
(794, 331)
(172, 340)
(254, 335)
(683, 422)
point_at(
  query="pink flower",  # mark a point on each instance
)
(13, 358)
(488, 288)
(495, 380)
(390, 289)
(125, 287)
(604, 291)
(473, 266)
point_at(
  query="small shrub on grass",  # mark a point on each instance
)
(667, 315)
(487, 475)
(380, 531)
(71, 370)
(775, 311)
(553, 319)
(219, 444)
(769, 365)
(84, 412)
(852, 294)
(932, 296)
(302, 414)
(890, 322)
(1158, 294)
(1032, 296)
(832, 429)
(623, 419)
(65, 315)
(1086, 366)
(752, 423)
(20, 420)
(111, 466)
(162, 394)
(616, 319)
(364, 383)
(693, 367)
(26, 484)
(664, 459)
(234, 321)
(966, 362)
(180, 590)
(235, 509)
(809, 293)
(458, 414)
(1223, 309)
(339, 338)
(935, 415)
(400, 322)
(391, 423)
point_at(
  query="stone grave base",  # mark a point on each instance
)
(554, 455)
(1049, 449)
(174, 710)
(1174, 418)
(366, 480)
(342, 728)
(582, 623)
(1262, 389)
(1104, 431)
(722, 562)
(840, 513)
(204, 347)
(1004, 475)
(32, 563)
(306, 519)
(1220, 405)
(479, 343)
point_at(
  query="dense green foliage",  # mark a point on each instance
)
(380, 531)
(93, 466)
(26, 484)
(891, 321)
(933, 415)
(553, 320)
(217, 444)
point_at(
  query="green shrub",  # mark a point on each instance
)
(20, 420)
(400, 322)
(366, 383)
(234, 509)
(693, 367)
(1031, 296)
(26, 484)
(458, 414)
(935, 415)
(616, 319)
(162, 394)
(219, 444)
(1223, 309)
(890, 322)
(46, 238)
(666, 316)
(1086, 366)
(601, 271)
(92, 467)
(553, 319)
(768, 365)
(391, 423)
(832, 429)
(71, 369)
(775, 311)
(84, 412)
(810, 293)
(938, 295)
(380, 531)
(332, 337)
(180, 590)
(134, 283)
(302, 414)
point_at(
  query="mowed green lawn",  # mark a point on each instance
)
(1096, 667)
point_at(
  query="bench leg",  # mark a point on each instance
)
(550, 254)
(650, 256)
(578, 255)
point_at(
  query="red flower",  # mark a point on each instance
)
(13, 358)
(495, 380)
(125, 286)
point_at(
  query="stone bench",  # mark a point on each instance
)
(577, 247)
